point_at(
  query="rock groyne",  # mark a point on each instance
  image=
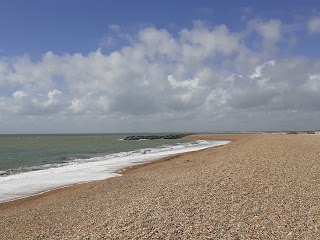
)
(153, 137)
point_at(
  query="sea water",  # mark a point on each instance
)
(30, 164)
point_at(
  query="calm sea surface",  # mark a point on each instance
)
(19, 153)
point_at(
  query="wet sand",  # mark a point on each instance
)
(260, 186)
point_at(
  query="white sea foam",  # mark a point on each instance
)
(85, 170)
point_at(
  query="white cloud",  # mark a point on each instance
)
(205, 72)
(314, 25)
(270, 31)
(158, 42)
(51, 97)
(258, 70)
(313, 83)
(201, 42)
(41, 104)
(18, 95)
(76, 106)
(114, 28)
(217, 98)
(188, 84)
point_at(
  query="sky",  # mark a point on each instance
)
(95, 66)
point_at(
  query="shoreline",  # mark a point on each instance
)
(258, 186)
(116, 173)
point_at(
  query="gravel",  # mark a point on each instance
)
(260, 186)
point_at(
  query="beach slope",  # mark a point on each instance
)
(260, 186)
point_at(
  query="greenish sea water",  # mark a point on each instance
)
(30, 164)
(19, 153)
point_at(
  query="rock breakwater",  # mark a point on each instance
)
(153, 137)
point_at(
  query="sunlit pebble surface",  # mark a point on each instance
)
(257, 187)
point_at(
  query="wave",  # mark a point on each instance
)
(28, 181)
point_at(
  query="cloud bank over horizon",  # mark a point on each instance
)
(203, 78)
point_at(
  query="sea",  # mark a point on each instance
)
(31, 164)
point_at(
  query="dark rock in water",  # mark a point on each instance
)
(152, 137)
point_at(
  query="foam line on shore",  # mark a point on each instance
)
(25, 184)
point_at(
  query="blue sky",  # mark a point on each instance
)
(37, 26)
(124, 66)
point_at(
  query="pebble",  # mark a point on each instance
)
(260, 186)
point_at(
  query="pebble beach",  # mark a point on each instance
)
(259, 186)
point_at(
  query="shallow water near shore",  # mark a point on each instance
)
(21, 153)
(33, 164)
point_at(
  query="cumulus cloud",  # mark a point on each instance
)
(18, 95)
(258, 70)
(287, 87)
(205, 72)
(189, 84)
